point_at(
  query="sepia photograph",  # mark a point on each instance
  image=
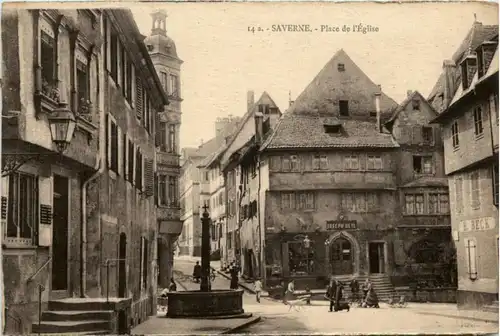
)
(204, 168)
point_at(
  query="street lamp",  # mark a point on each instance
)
(62, 126)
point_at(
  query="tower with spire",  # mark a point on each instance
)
(163, 53)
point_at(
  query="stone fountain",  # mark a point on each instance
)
(205, 303)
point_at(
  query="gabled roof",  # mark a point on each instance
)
(404, 103)
(300, 131)
(476, 35)
(331, 85)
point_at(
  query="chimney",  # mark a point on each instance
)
(469, 68)
(259, 121)
(449, 74)
(408, 93)
(378, 93)
(250, 100)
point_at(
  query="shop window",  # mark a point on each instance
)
(300, 259)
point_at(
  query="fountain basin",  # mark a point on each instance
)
(216, 303)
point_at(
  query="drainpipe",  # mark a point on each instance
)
(261, 252)
(100, 165)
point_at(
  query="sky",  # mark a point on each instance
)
(223, 59)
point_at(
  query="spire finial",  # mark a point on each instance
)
(475, 17)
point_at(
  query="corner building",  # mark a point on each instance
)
(329, 172)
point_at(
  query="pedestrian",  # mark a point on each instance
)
(258, 289)
(283, 291)
(234, 277)
(331, 290)
(197, 272)
(308, 295)
(366, 287)
(354, 290)
(290, 291)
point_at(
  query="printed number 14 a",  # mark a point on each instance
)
(253, 29)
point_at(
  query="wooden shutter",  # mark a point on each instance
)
(108, 139)
(125, 157)
(4, 203)
(45, 215)
(139, 98)
(159, 129)
(284, 257)
(120, 155)
(149, 177)
(155, 187)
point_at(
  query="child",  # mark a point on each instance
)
(308, 295)
(258, 289)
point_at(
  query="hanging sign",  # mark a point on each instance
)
(341, 225)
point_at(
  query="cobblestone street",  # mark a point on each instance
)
(277, 319)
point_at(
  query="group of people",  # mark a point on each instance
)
(335, 293)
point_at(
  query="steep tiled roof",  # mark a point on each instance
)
(428, 182)
(301, 131)
(476, 35)
(332, 84)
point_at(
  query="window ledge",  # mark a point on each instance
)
(456, 148)
(86, 126)
(479, 136)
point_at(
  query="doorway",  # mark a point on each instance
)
(60, 234)
(122, 266)
(376, 257)
(341, 256)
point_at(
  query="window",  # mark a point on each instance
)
(172, 190)
(360, 202)
(305, 200)
(131, 161)
(494, 175)
(82, 82)
(294, 163)
(144, 244)
(138, 169)
(344, 108)
(207, 176)
(171, 139)
(410, 204)
(419, 204)
(495, 102)
(48, 59)
(340, 67)
(288, 201)
(374, 162)
(264, 108)
(478, 121)
(471, 258)
(351, 162)
(174, 86)
(113, 143)
(22, 208)
(128, 75)
(433, 203)
(162, 190)
(300, 258)
(422, 164)
(162, 136)
(275, 163)
(427, 134)
(286, 164)
(415, 103)
(458, 195)
(319, 162)
(164, 81)
(474, 190)
(454, 134)
(444, 204)
(114, 56)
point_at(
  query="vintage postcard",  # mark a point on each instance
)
(249, 168)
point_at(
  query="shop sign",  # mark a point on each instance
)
(478, 224)
(341, 224)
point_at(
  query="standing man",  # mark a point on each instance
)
(331, 290)
(258, 289)
(354, 290)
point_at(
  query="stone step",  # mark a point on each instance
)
(90, 305)
(83, 333)
(76, 315)
(89, 326)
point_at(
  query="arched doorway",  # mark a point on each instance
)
(122, 270)
(341, 256)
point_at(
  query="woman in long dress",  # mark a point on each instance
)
(371, 298)
(289, 295)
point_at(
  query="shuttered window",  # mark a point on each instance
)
(138, 169)
(139, 99)
(149, 177)
(131, 160)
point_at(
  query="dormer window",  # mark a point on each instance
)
(469, 67)
(264, 108)
(416, 104)
(341, 67)
(344, 108)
